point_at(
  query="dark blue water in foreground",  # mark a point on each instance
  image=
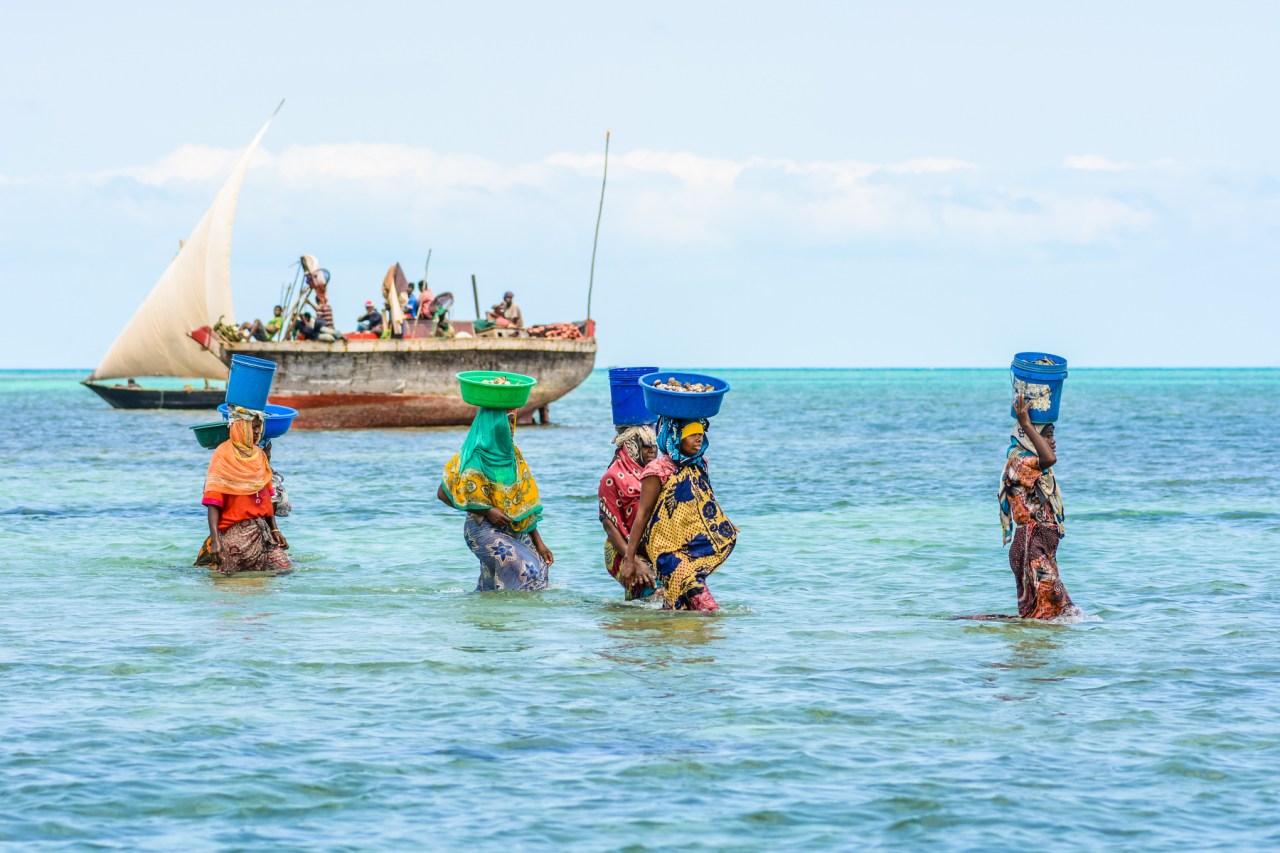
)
(372, 701)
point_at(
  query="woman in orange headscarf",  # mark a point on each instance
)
(237, 492)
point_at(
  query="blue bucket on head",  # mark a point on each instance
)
(1042, 383)
(627, 397)
(250, 382)
(683, 405)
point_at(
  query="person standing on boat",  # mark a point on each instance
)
(425, 299)
(243, 536)
(489, 480)
(679, 523)
(1031, 499)
(619, 492)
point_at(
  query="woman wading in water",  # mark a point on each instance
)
(489, 480)
(237, 492)
(1031, 499)
(620, 500)
(679, 523)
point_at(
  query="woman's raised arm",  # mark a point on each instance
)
(1043, 451)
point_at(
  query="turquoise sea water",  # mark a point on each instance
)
(371, 700)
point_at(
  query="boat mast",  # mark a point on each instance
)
(591, 282)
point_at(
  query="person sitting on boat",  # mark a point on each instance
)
(303, 328)
(243, 536)
(259, 331)
(370, 320)
(276, 323)
(326, 332)
(411, 304)
(619, 492)
(506, 313)
(679, 523)
(489, 480)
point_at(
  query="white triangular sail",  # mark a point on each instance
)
(194, 291)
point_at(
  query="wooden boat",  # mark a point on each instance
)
(407, 381)
(411, 381)
(193, 293)
(137, 397)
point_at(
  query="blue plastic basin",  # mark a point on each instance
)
(626, 397)
(249, 382)
(1042, 383)
(277, 422)
(685, 406)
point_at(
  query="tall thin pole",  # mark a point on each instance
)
(475, 294)
(426, 271)
(591, 283)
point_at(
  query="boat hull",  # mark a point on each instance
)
(410, 382)
(125, 397)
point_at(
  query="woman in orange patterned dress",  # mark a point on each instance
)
(243, 536)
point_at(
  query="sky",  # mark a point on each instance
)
(790, 184)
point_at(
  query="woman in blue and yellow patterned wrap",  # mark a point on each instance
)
(679, 524)
(489, 480)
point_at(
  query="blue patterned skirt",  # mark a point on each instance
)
(507, 560)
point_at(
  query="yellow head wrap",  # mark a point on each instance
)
(692, 428)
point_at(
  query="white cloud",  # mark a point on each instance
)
(184, 165)
(685, 198)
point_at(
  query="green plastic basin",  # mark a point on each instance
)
(477, 393)
(212, 434)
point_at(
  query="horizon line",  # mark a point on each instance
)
(89, 370)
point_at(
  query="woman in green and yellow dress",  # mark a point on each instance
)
(489, 480)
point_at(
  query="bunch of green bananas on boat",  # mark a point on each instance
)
(226, 331)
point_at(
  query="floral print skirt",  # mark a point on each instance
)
(248, 547)
(1033, 558)
(507, 560)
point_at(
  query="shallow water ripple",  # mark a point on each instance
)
(371, 700)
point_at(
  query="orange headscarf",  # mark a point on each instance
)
(238, 467)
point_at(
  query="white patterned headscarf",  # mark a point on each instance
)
(634, 438)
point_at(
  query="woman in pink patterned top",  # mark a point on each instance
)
(619, 494)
